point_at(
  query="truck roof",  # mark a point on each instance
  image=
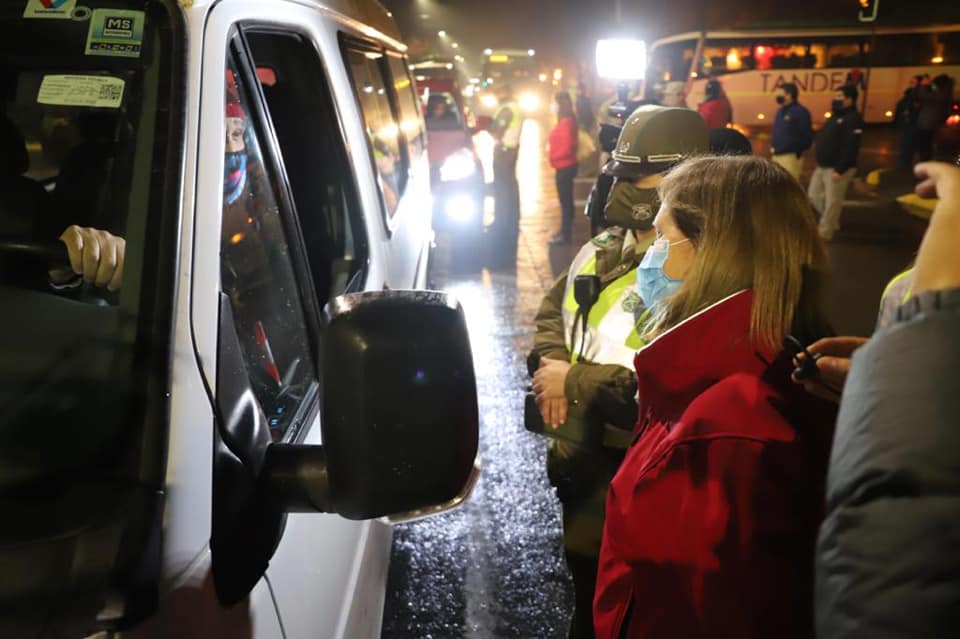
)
(367, 16)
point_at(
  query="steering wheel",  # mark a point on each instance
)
(35, 250)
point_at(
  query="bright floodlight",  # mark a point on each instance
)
(488, 52)
(621, 59)
(442, 33)
(531, 52)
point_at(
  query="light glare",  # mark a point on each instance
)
(621, 59)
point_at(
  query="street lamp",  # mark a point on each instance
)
(442, 33)
(455, 45)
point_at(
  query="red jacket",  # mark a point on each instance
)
(563, 144)
(712, 518)
(716, 113)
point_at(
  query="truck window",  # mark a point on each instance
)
(314, 154)
(256, 267)
(383, 130)
(442, 113)
(84, 142)
(408, 105)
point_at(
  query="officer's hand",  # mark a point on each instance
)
(938, 267)
(554, 411)
(833, 365)
(548, 381)
(96, 255)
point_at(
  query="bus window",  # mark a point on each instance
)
(783, 54)
(845, 52)
(670, 62)
(905, 50)
(726, 56)
(949, 48)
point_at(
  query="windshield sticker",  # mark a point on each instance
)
(115, 32)
(81, 90)
(61, 9)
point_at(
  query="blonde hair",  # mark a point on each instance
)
(753, 228)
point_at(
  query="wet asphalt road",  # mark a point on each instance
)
(494, 567)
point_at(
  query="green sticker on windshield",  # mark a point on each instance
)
(81, 90)
(115, 32)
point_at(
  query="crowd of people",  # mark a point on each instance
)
(919, 114)
(727, 465)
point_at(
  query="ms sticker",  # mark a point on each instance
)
(115, 32)
(61, 9)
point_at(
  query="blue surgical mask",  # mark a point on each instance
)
(652, 283)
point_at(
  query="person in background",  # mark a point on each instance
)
(792, 130)
(887, 559)
(506, 129)
(599, 387)
(931, 114)
(563, 159)
(586, 119)
(837, 148)
(715, 109)
(906, 120)
(726, 141)
(674, 94)
(712, 518)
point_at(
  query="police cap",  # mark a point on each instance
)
(654, 138)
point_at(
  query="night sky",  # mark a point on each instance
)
(570, 28)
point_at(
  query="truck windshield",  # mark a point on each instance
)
(85, 131)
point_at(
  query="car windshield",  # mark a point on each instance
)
(84, 133)
(441, 112)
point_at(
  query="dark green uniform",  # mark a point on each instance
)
(580, 473)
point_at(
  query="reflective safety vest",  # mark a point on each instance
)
(511, 132)
(611, 336)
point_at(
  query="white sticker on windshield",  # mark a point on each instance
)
(61, 9)
(81, 90)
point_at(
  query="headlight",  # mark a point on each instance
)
(460, 207)
(458, 166)
(529, 101)
(489, 101)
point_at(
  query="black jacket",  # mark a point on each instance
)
(888, 558)
(838, 142)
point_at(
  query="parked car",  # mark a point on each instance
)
(214, 444)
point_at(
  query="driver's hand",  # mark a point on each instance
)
(96, 255)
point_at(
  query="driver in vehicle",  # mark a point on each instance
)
(95, 255)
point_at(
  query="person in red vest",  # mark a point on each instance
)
(711, 519)
(715, 108)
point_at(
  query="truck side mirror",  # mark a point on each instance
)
(400, 417)
(399, 413)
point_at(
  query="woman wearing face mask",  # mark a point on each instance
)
(712, 517)
(583, 357)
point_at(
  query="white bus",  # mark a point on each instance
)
(751, 64)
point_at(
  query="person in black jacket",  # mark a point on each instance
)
(792, 130)
(838, 144)
(888, 557)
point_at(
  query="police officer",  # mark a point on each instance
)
(588, 374)
(507, 125)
